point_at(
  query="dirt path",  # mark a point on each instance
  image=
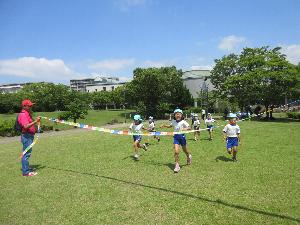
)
(5, 140)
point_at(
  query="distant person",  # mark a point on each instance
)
(151, 127)
(209, 121)
(226, 111)
(196, 126)
(136, 128)
(203, 114)
(27, 125)
(179, 125)
(232, 136)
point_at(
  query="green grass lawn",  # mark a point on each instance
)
(95, 117)
(90, 178)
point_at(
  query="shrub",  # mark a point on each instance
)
(293, 115)
(7, 128)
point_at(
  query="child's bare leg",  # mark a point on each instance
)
(186, 151)
(188, 154)
(176, 153)
(229, 150)
(234, 153)
(136, 146)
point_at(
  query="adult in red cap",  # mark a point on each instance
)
(28, 130)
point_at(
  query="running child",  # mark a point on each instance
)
(209, 121)
(196, 126)
(179, 124)
(151, 127)
(231, 133)
(136, 127)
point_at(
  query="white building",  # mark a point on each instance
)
(103, 87)
(95, 84)
(197, 82)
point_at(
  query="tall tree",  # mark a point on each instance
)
(257, 75)
(153, 89)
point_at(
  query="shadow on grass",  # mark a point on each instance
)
(36, 167)
(223, 158)
(276, 120)
(212, 201)
(170, 165)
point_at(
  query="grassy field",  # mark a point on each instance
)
(90, 178)
(95, 117)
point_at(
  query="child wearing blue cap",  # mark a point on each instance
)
(232, 136)
(179, 124)
(136, 128)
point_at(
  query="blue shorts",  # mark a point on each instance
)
(210, 127)
(232, 141)
(137, 138)
(179, 139)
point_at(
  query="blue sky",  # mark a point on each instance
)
(59, 40)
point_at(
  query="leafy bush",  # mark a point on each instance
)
(293, 115)
(7, 128)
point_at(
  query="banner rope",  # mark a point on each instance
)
(122, 132)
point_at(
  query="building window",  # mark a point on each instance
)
(112, 88)
(104, 88)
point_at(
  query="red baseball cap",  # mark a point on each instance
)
(27, 102)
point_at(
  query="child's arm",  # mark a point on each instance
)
(239, 138)
(224, 133)
(224, 136)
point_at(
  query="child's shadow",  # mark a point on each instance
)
(223, 158)
(36, 167)
(170, 165)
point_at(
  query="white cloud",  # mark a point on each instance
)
(151, 63)
(292, 52)
(159, 63)
(231, 42)
(37, 68)
(112, 64)
(202, 67)
(125, 5)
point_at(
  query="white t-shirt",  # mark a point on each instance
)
(232, 131)
(196, 123)
(136, 128)
(179, 125)
(151, 126)
(209, 121)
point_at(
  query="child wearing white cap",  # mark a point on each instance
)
(209, 121)
(179, 124)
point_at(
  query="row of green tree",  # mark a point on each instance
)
(153, 91)
(256, 76)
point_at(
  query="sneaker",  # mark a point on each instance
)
(177, 168)
(145, 147)
(136, 156)
(234, 159)
(158, 139)
(30, 174)
(189, 160)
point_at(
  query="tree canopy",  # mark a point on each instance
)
(257, 75)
